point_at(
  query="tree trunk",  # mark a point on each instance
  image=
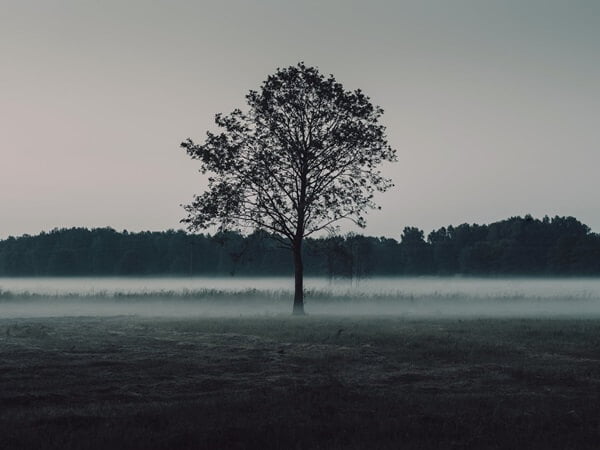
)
(298, 280)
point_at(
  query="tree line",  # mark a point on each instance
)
(515, 246)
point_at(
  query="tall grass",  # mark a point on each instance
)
(277, 295)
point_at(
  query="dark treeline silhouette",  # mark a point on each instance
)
(516, 246)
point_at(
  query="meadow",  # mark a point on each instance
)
(130, 378)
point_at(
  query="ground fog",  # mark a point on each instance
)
(233, 297)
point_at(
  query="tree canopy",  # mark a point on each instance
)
(304, 155)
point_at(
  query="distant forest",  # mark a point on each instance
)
(516, 246)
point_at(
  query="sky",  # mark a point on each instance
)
(492, 106)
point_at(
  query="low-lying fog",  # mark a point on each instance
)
(234, 296)
(550, 287)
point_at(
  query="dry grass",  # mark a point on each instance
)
(312, 382)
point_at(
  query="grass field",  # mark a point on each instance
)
(128, 382)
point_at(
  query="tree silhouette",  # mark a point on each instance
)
(304, 155)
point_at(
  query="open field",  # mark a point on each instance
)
(309, 382)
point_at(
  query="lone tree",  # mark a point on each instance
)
(304, 155)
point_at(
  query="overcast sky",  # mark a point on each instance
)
(493, 106)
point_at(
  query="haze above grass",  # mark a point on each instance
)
(231, 297)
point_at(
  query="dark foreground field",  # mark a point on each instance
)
(312, 382)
